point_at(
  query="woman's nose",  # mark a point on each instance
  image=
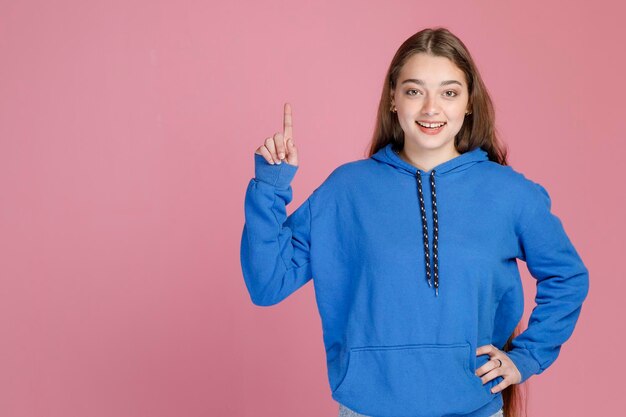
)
(430, 106)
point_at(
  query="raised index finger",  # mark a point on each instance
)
(287, 125)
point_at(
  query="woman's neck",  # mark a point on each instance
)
(426, 160)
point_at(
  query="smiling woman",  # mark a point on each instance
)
(414, 249)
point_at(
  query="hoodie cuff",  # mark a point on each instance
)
(277, 175)
(524, 361)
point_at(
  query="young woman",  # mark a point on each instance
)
(413, 251)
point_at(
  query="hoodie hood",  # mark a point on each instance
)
(459, 163)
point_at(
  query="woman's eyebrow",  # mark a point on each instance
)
(420, 82)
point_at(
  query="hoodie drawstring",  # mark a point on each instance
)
(425, 227)
(391, 156)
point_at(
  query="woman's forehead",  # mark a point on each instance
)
(429, 70)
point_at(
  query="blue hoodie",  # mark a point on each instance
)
(413, 271)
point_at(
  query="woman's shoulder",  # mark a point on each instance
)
(509, 175)
(348, 171)
(344, 177)
(512, 180)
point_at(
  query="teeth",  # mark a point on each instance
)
(430, 124)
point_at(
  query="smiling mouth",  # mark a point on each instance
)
(435, 125)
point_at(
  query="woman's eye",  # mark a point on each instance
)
(413, 92)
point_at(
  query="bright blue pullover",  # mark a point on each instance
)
(413, 271)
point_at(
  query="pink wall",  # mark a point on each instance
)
(127, 132)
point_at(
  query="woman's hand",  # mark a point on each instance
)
(280, 147)
(493, 369)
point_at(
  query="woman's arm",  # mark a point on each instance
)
(562, 285)
(274, 248)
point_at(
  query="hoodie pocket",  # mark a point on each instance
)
(422, 380)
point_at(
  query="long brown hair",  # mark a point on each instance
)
(478, 130)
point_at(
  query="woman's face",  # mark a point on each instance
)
(430, 89)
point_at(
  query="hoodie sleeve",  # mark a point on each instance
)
(562, 285)
(275, 256)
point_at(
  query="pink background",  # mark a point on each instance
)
(127, 132)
